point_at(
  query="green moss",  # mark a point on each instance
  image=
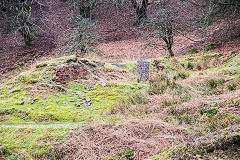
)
(30, 77)
(108, 67)
(212, 102)
(191, 51)
(60, 107)
(236, 101)
(41, 65)
(35, 141)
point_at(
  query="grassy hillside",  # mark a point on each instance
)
(190, 96)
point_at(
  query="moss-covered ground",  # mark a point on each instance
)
(31, 143)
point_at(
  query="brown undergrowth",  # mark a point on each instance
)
(134, 138)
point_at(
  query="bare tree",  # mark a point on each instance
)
(141, 10)
(81, 34)
(164, 25)
(18, 13)
(85, 7)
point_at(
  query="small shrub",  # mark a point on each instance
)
(213, 83)
(185, 96)
(232, 53)
(212, 111)
(111, 158)
(129, 154)
(236, 101)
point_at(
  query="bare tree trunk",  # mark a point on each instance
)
(141, 12)
(86, 7)
(85, 11)
(26, 29)
(170, 52)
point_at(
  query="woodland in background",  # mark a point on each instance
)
(160, 19)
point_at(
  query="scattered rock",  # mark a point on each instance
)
(60, 88)
(57, 100)
(79, 94)
(25, 102)
(103, 84)
(64, 103)
(119, 65)
(92, 87)
(71, 101)
(78, 105)
(88, 99)
(86, 62)
(21, 103)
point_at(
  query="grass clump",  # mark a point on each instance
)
(160, 84)
(190, 65)
(169, 102)
(134, 98)
(191, 51)
(209, 47)
(181, 75)
(231, 86)
(212, 86)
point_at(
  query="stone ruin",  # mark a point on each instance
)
(143, 69)
(67, 73)
(74, 70)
